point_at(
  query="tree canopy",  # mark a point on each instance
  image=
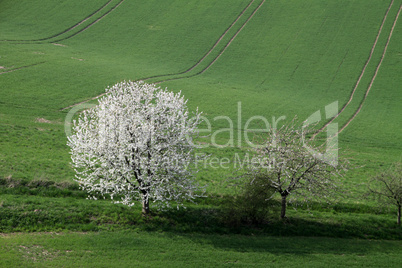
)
(136, 144)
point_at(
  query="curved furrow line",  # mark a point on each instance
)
(361, 74)
(222, 51)
(216, 43)
(231, 40)
(22, 67)
(209, 51)
(91, 24)
(375, 74)
(65, 31)
(82, 102)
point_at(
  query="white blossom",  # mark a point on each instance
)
(293, 170)
(136, 144)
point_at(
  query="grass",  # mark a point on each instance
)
(42, 18)
(127, 248)
(311, 64)
(43, 205)
(279, 64)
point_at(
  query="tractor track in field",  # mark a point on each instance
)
(231, 40)
(22, 67)
(78, 24)
(375, 74)
(72, 27)
(222, 51)
(209, 51)
(222, 36)
(202, 59)
(91, 24)
(82, 102)
(361, 74)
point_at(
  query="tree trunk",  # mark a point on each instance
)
(283, 211)
(399, 215)
(145, 206)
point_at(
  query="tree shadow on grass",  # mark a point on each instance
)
(209, 220)
(298, 245)
(258, 244)
(34, 212)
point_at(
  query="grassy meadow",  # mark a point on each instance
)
(271, 58)
(129, 249)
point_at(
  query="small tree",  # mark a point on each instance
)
(386, 187)
(289, 168)
(136, 144)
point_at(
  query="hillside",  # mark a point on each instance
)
(233, 59)
(218, 54)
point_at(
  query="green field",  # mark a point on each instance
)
(278, 58)
(129, 249)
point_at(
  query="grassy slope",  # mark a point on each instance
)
(378, 126)
(37, 19)
(275, 66)
(61, 80)
(293, 68)
(280, 64)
